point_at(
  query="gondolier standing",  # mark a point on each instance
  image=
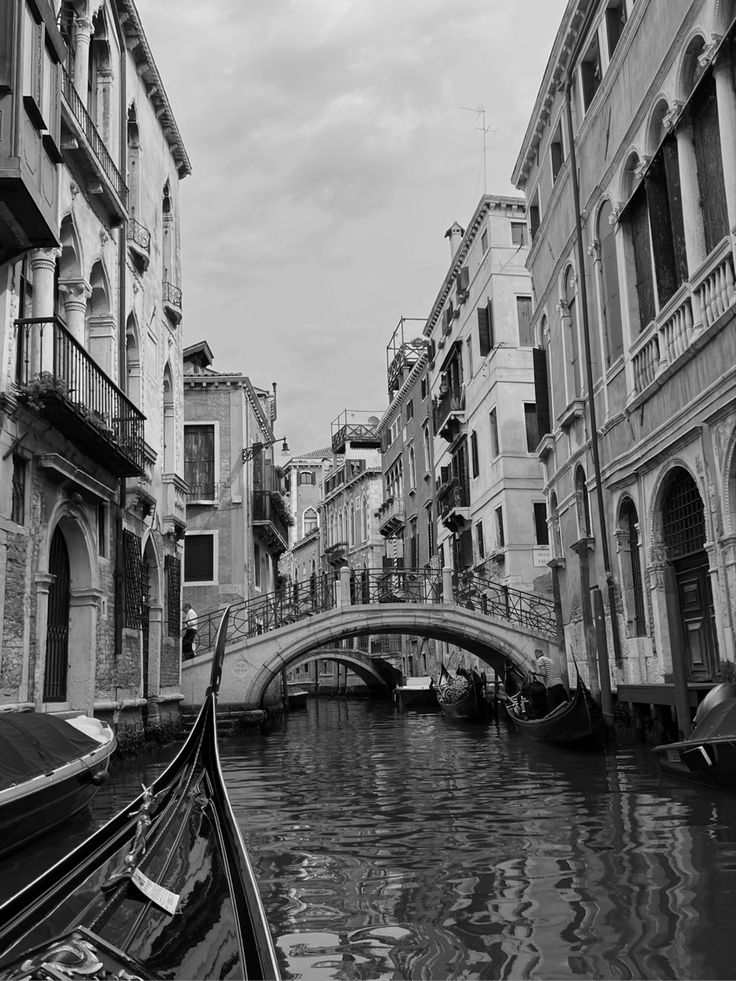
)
(552, 680)
(190, 628)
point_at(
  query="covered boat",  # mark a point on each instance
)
(463, 695)
(576, 723)
(50, 768)
(708, 755)
(416, 693)
(165, 889)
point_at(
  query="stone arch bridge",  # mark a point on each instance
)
(275, 632)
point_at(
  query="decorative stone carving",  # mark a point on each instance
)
(670, 118)
(594, 250)
(706, 55)
(641, 167)
(615, 214)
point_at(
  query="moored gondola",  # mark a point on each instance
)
(463, 696)
(577, 723)
(165, 889)
(708, 754)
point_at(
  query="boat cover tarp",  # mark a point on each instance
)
(720, 721)
(34, 743)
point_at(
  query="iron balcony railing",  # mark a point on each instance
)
(445, 406)
(452, 495)
(172, 295)
(95, 141)
(268, 507)
(139, 235)
(58, 378)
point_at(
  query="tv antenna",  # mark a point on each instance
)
(480, 115)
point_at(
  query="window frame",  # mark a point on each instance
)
(214, 535)
(215, 425)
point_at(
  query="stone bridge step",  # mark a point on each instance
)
(231, 719)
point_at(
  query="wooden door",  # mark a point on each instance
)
(699, 638)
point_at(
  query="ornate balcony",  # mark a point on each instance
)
(81, 139)
(271, 520)
(357, 428)
(449, 414)
(453, 498)
(172, 302)
(139, 243)
(57, 378)
(391, 516)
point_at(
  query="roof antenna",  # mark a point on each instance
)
(480, 112)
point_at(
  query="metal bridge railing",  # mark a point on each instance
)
(296, 601)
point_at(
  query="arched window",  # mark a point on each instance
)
(683, 516)
(631, 569)
(412, 468)
(169, 453)
(574, 361)
(366, 524)
(582, 504)
(554, 516)
(610, 289)
(310, 521)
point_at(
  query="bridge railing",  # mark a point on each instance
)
(292, 602)
(494, 599)
(393, 585)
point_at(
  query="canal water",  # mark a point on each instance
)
(393, 845)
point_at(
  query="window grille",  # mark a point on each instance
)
(18, 512)
(133, 581)
(683, 517)
(172, 565)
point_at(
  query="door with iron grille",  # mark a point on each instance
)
(57, 631)
(145, 620)
(684, 536)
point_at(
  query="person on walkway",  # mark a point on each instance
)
(550, 675)
(190, 629)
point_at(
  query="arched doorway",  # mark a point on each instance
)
(684, 536)
(57, 632)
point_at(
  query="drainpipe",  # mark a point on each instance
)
(119, 579)
(603, 660)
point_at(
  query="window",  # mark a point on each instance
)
(485, 329)
(310, 521)
(500, 535)
(479, 540)
(199, 557)
(615, 21)
(18, 507)
(412, 468)
(708, 154)
(541, 391)
(484, 240)
(425, 441)
(306, 477)
(631, 568)
(409, 410)
(541, 531)
(531, 426)
(582, 504)
(257, 566)
(556, 152)
(101, 528)
(524, 316)
(495, 445)
(610, 293)
(199, 460)
(423, 387)
(591, 72)
(638, 219)
(534, 216)
(172, 567)
(474, 453)
(430, 533)
(518, 233)
(469, 349)
(574, 363)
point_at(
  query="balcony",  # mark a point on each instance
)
(694, 308)
(57, 378)
(453, 499)
(449, 414)
(81, 140)
(271, 520)
(337, 554)
(172, 302)
(139, 243)
(357, 428)
(391, 517)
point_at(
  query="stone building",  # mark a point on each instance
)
(303, 479)
(91, 464)
(237, 514)
(628, 165)
(489, 499)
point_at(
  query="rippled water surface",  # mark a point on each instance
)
(404, 846)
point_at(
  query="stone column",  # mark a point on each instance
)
(726, 99)
(84, 606)
(76, 293)
(691, 213)
(82, 37)
(155, 640)
(43, 585)
(41, 348)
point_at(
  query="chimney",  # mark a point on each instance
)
(455, 234)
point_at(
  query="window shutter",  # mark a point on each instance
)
(133, 580)
(172, 565)
(474, 452)
(541, 391)
(485, 330)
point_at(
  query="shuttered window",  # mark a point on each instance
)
(199, 558)
(541, 531)
(485, 329)
(199, 461)
(541, 391)
(524, 316)
(638, 217)
(531, 426)
(707, 140)
(133, 581)
(474, 453)
(664, 201)
(172, 567)
(610, 289)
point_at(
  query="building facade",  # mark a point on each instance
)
(91, 468)
(237, 514)
(491, 511)
(629, 170)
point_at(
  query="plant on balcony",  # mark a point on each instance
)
(95, 418)
(37, 391)
(281, 508)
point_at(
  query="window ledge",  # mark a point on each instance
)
(557, 563)
(583, 544)
(546, 447)
(575, 410)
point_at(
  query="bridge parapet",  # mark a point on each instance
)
(297, 601)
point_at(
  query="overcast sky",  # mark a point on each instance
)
(330, 154)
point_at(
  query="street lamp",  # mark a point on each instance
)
(255, 448)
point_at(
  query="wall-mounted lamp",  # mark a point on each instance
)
(250, 451)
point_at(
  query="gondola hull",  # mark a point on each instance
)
(60, 781)
(164, 890)
(708, 755)
(576, 724)
(469, 704)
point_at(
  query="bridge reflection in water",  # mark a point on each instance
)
(392, 845)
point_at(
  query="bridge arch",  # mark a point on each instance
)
(251, 664)
(373, 671)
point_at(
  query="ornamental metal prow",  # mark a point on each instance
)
(219, 654)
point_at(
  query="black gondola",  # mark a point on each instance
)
(576, 723)
(165, 889)
(463, 696)
(708, 755)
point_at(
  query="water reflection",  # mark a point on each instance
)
(399, 846)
